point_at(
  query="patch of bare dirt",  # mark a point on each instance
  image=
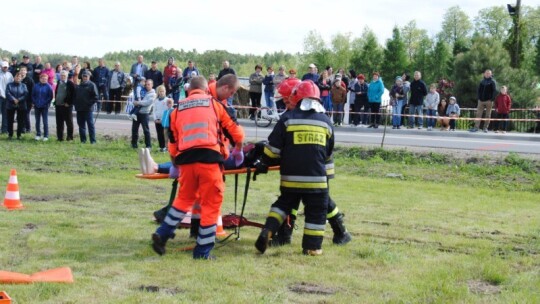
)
(483, 287)
(310, 288)
(153, 288)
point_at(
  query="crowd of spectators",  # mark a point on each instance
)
(74, 86)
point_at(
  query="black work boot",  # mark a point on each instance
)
(158, 243)
(262, 241)
(284, 235)
(194, 228)
(341, 235)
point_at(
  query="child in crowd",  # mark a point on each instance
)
(431, 103)
(165, 119)
(443, 117)
(160, 106)
(503, 104)
(339, 97)
(453, 112)
(138, 95)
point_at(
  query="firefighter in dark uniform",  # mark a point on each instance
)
(303, 140)
(334, 216)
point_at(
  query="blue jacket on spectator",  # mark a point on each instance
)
(375, 91)
(186, 74)
(311, 76)
(268, 82)
(16, 91)
(42, 95)
(101, 76)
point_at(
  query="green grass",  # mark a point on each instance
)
(430, 237)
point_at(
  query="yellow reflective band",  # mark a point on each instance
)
(330, 171)
(269, 153)
(309, 138)
(294, 128)
(276, 215)
(287, 184)
(332, 214)
(313, 232)
(294, 212)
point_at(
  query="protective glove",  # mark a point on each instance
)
(238, 156)
(174, 172)
(260, 168)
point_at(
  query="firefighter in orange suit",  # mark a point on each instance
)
(197, 134)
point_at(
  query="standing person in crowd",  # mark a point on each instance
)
(86, 95)
(351, 95)
(303, 157)
(200, 162)
(188, 71)
(312, 74)
(143, 116)
(487, 91)
(268, 82)
(116, 82)
(280, 76)
(225, 71)
(5, 78)
(14, 66)
(397, 95)
(100, 78)
(416, 101)
(30, 87)
(406, 89)
(160, 106)
(339, 98)
(255, 90)
(57, 71)
(138, 69)
(453, 112)
(324, 85)
(344, 79)
(167, 72)
(75, 69)
(211, 78)
(503, 104)
(330, 71)
(65, 93)
(154, 74)
(42, 96)
(37, 67)
(29, 68)
(176, 85)
(361, 102)
(16, 95)
(292, 73)
(375, 92)
(50, 73)
(443, 117)
(86, 67)
(432, 103)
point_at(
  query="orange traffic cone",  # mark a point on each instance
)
(57, 275)
(4, 298)
(12, 200)
(220, 232)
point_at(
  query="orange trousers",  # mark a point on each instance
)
(204, 183)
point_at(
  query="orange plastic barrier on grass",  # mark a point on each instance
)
(56, 275)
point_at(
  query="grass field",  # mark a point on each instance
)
(440, 231)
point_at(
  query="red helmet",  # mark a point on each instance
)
(305, 89)
(286, 86)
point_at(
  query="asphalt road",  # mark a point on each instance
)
(459, 140)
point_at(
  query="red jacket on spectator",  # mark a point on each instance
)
(503, 103)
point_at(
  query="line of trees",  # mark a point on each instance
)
(460, 53)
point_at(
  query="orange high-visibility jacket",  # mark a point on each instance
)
(198, 123)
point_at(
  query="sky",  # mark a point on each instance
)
(95, 27)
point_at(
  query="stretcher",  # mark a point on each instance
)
(236, 172)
